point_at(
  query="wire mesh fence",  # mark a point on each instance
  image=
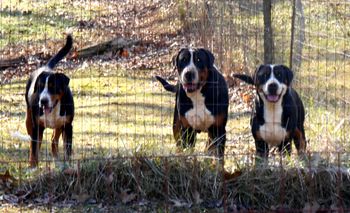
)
(123, 147)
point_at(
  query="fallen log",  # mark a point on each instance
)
(98, 49)
(12, 62)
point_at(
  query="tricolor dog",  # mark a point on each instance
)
(201, 100)
(279, 112)
(49, 105)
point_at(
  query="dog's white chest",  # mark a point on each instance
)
(53, 119)
(272, 132)
(199, 117)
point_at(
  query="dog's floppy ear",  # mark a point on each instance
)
(36, 83)
(35, 87)
(175, 58)
(210, 56)
(62, 79)
(255, 76)
(289, 74)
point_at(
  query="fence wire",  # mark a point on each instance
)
(122, 128)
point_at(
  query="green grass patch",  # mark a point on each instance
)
(26, 21)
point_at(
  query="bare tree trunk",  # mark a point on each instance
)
(292, 36)
(299, 35)
(268, 36)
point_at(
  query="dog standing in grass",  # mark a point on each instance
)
(50, 105)
(279, 112)
(201, 100)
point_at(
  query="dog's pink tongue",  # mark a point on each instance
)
(190, 86)
(272, 98)
(47, 110)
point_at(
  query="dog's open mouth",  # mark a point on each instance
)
(47, 110)
(272, 98)
(190, 87)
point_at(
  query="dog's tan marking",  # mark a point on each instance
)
(29, 122)
(302, 142)
(54, 141)
(220, 119)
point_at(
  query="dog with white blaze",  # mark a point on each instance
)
(279, 112)
(201, 100)
(50, 105)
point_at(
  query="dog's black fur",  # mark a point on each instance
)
(200, 84)
(50, 105)
(286, 106)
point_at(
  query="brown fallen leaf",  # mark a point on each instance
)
(7, 180)
(197, 197)
(23, 194)
(311, 207)
(10, 198)
(179, 203)
(70, 171)
(124, 53)
(127, 197)
(230, 176)
(81, 197)
(110, 178)
(74, 54)
(6, 177)
(247, 98)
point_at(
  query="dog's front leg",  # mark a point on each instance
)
(29, 121)
(300, 141)
(216, 141)
(261, 147)
(35, 144)
(67, 140)
(188, 137)
(54, 142)
(262, 151)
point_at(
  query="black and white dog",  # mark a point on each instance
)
(201, 100)
(279, 112)
(49, 105)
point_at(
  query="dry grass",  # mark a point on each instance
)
(193, 182)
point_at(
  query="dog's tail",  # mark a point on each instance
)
(166, 85)
(62, 53)
(245, 78)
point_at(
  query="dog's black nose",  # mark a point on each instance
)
(44, 102)
(189, 76)
(272, 88)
